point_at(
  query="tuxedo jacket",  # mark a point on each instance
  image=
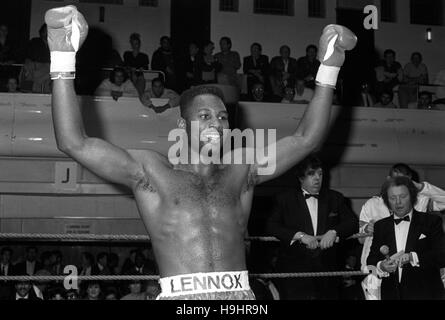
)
(426, 238)
(291, 214)
(20, 268)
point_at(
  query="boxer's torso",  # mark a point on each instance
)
(196, 221)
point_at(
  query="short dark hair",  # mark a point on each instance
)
(101, 255)
(256, 44)
(310, 162)
(6, 249)
(311, 46)
(284, 47)
(164, 38)
(116, 70)
(188, 96)
(227, 39)
(396, 182)
(389, 51)
(135, 36)
(417, 54)
(402, 168)
(158, 79)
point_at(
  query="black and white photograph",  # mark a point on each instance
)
(227, 156)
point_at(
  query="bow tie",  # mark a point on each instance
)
(405, 218)
(308, 195)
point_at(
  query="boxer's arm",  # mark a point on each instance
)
(312, 128)
(102, 158)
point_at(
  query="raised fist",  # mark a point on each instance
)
(67, 30)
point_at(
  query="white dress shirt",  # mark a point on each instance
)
(375, 209)
(401, 233)
(312, 204)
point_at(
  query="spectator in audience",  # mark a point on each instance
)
(101, 265)
(152, 289)
(36, 68)
(425, 102)
(191, 66)
(30, 265)
(289, 94)
(93, 290)
(72, 294)
(307, 66)
(170, 99)
(139, 266)
(129, 262)
(207, 64)
(429, 198)
(259, 94)
(86, 266)
(297, 219)
(57, 293)
(117, 85)
(385, 100)
(136, 292)
(56, 263)
(6, 287)
(230, 62)
(12, 85)
(389, 73)
(415, 243)
(303, 94)
(136, 61)
(367, 98)
(256, 66)
(283, 71)
(149, 257)
(24, 291)
(7, 56)
(6, 49)
(415, 73)
(111, 293)
(163, 60)
(113, 263)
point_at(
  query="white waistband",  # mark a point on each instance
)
(204, 282)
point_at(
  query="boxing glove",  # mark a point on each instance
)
(67, 30)
(334, 41)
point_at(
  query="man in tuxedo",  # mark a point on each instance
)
(308, 221)
(30, 265)
(414, 243)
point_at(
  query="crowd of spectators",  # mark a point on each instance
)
(140, 261)
(283, 78)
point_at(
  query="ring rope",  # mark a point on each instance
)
(156, 277)
(127, 237)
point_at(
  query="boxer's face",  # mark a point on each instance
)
(399, 200)
(211, 114)
(312, 180)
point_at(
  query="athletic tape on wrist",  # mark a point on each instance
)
(62, 61)
(327, 76)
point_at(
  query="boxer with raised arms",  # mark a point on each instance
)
(196, 214)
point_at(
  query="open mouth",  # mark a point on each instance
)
(210, 136)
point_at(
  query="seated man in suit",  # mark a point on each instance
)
(415, 242)
(307, 221)
(30, 265)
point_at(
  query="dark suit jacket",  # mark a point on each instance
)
(291, 215)
(262, 64)
(20, 268)
(417, 282)
(276, 74)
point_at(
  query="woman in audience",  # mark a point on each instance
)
(117, 85)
